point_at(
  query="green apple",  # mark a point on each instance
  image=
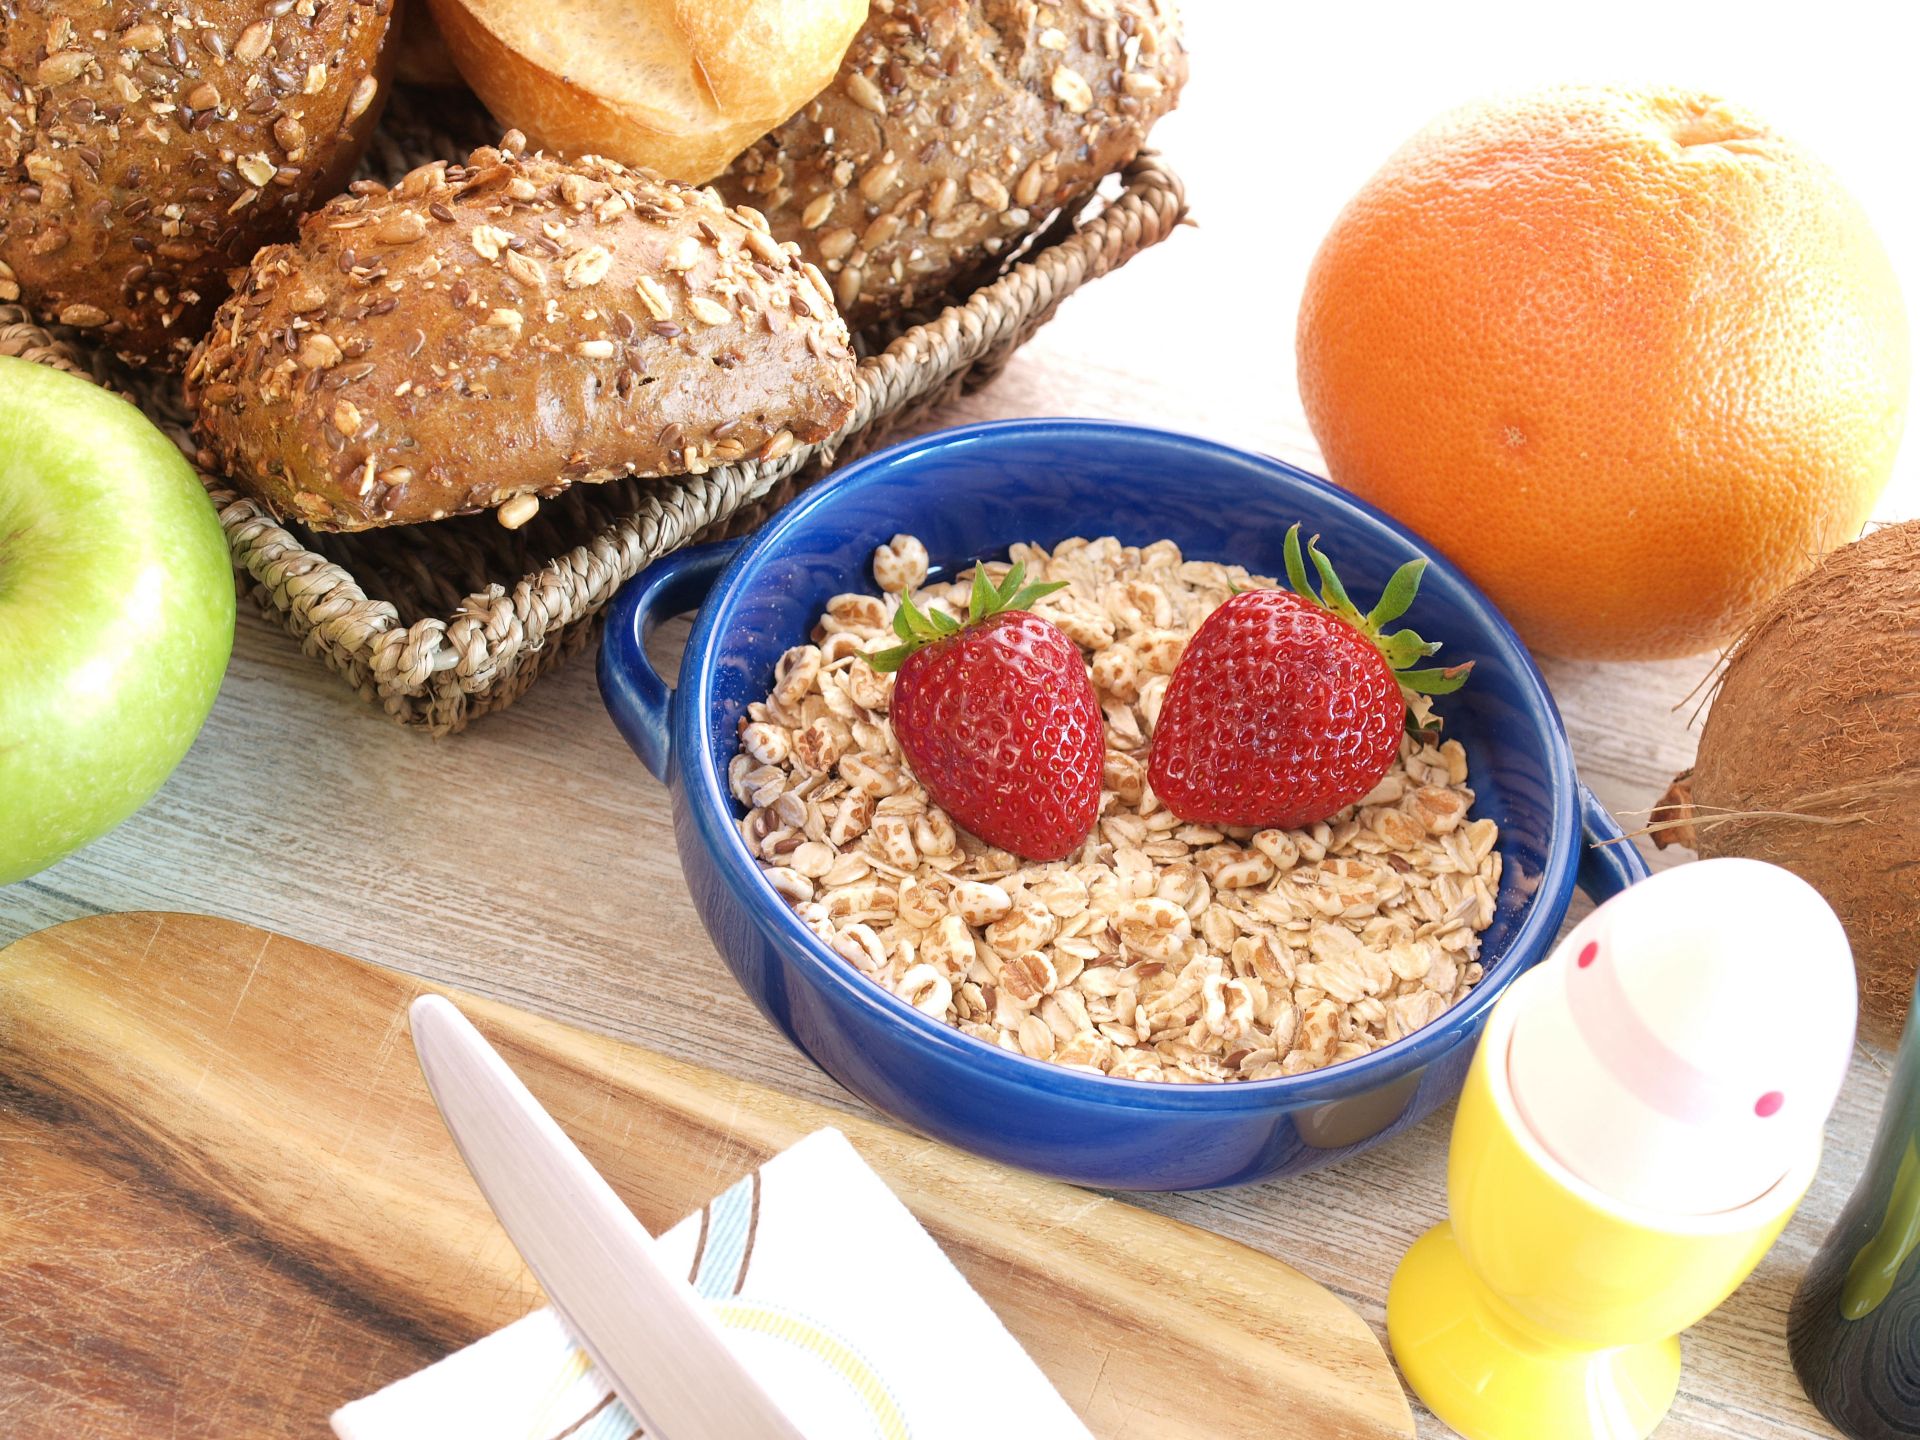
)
(116, 612)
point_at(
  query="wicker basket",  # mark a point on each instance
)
(444, 622)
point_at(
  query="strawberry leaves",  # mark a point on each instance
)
(919, 628)
(1403, 647)
(1397, 598)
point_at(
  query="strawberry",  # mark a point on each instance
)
(998, 720)
(1287, 707)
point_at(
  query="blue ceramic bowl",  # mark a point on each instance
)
(968, 494)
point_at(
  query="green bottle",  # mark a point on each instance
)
(1854, 1329)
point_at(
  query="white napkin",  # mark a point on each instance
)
(825, 1287)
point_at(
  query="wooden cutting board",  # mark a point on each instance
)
(227, 1206)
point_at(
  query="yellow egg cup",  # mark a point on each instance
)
(1545, 1310)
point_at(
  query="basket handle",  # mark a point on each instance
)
(635, 695)
(1609, 863)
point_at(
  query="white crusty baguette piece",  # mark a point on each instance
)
(679, 86)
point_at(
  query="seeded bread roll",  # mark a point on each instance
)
(953, 127)
(486, 333)
(147, 147)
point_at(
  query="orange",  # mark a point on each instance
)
(1627, 356)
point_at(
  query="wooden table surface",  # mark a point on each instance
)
(532, 858)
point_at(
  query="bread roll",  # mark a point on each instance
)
(679, 86)
(503, 328)
(952, 128)
(145, 150)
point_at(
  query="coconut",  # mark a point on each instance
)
(1810, 757)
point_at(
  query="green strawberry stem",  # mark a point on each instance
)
(920, 628)
(1403, 647)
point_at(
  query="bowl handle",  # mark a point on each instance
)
(1609, 863)
(632, 690)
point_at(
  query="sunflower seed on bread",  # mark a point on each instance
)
(147, 147)
(508, 327)
(954, 127)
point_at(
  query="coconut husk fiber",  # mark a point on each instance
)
(1810, 756)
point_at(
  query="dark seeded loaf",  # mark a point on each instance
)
(953, 127)
(147, 147)
(503, 328)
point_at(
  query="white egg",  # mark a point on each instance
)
(1693, 1037)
